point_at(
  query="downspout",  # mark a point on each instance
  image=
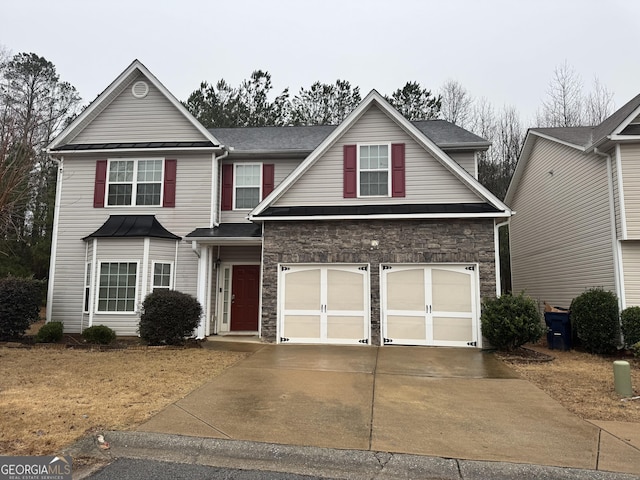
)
(54, 235)
(617, 254)
(496, 239)
(215, 187)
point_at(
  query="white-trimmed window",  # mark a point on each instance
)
(374, 163)
(117, 290)
(247, 185)
(135, 182)
(87, 287)
(162, 276)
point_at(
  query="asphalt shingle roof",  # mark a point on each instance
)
(307, 138)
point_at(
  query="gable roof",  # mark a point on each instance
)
(305, 139)
(584, 139)
(374, 98)
(110, 94)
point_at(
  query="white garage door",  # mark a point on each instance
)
(433, 304)
(326, 303)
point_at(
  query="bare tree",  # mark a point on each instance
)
(563, 106)
(456, 103)
(598, 104)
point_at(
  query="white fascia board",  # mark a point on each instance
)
(626, 122)
(159, 151)
(408, 216)
(226, 240)
(106, 96)
(405, 124)
(554, 139)
(624, 138)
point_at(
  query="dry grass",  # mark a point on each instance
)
(583, 383)
(51, 397)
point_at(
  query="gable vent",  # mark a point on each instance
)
(140, 89)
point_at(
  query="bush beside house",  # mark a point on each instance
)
(596, 318)
(509, 321)
(19, 305)
(630, 323)
(168, 316)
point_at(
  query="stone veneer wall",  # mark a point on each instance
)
(400, 241)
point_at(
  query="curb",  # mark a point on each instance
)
(313, 461)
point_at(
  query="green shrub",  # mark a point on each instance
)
(99, 334)
(168, 317)
(50, 333)
(19, 305)
(596, 317)
(509, 321)
(635, 348)
(630, 322)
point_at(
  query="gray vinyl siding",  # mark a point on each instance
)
(427, 181)
(466, 160)
(561, 232)
(77, 219)
(630, 161)
(282, 168)
(616, 195)
(130, 119)
(631, 261)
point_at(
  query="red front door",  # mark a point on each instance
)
(245, 292)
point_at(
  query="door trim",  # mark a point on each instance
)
(223, 329)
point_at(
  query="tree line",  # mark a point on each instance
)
(35, 105)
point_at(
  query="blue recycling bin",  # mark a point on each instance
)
(558, 330)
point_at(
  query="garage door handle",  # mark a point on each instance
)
(427, 308)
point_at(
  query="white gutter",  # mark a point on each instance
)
(54, 236)
(617, 254)
(407, 216)
(138, 150)
(215, 187)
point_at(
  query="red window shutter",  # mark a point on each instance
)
(268, 175)
(227, 187)
(100, 184)
(170, 167)
(350, 178)
(397, 170)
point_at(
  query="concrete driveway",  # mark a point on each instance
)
(445, 402)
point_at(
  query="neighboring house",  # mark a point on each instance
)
(576, 192)
(373, 231)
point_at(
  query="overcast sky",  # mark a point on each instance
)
(505, 51)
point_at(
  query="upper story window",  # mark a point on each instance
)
(135, 182)
(248, 182)
(244, 185)
(373, 170)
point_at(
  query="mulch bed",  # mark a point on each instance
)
(525, 355)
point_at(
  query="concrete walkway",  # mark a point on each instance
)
(440, 402)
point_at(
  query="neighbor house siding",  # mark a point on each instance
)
(631, 260)
(282, 168)
(630, 161)
(466, 160)
(427, 180)
(131, 119)
(77, 219)
(561, 233)
(616, 195)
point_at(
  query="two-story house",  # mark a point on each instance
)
(576, 191)
(373, 231)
